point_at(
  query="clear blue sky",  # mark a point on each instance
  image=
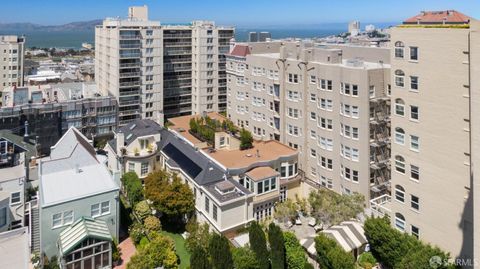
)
(232, 12)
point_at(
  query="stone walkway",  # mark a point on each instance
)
(128, 250)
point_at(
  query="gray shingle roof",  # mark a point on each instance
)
(137, 128)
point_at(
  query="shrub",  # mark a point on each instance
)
(143, 242)
(142, 209)
(366, 260)
(116, 252)
(133, 187)
(152, 224)
(136, 232)
(258, 244)
(295, 255)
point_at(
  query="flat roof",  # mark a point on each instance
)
(260, 173)
(14, 249)
(262, 151)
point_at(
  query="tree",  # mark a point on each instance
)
(395, 249)
(199, 235)
(322, 245)
(199, 259)
(330, 208)
(169, 195)
(219, 251)
(152, 224)
(258, 244)
(159, 252)
(286, 211)
(366, 260)
(142, 209)
(295, 255)
(133, 187)
(338, 258)
(277, 246)
(246, 139)
(244, 258)
(331, 255)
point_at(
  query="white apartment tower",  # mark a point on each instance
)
(128, 64)
(12, 51)
(330, 103)
(168, 71)
(435, 130)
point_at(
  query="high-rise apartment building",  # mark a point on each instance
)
(327, 102)
(159, 72)
(129, 66)
(12, 51)
(434, 98)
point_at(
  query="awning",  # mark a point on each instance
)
(349, 235)
(79, 231)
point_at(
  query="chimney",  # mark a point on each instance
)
(120, 142)
(25, 136)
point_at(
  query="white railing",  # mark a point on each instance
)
(379, 205)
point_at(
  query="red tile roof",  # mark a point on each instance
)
(436, 17)
(240, 50)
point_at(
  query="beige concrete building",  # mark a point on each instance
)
(159, 71)
(434, 57)
(330, 103)
(12, 51)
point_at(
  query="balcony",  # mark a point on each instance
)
(130, 55)
(128, 93)
(130, 74)
(129, 112)
(131, 65)
(379, 206)
(129, 84)
(150, 150)
(130, 37)
(131, 46)
(129, 103)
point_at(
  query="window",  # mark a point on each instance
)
(399, 193)
(313, 115)
(399, 136)
(400, 222)
(144, 170)
(214, 212)
(414, 202)
(207, 204)
(327, 163)
(399, 107)
(414, 172)
(131, 167)
(3, 216)
(414, 112)
(68, 217)
(414, 53)
(105, 208)
(415, 231)
(313, 97)
(326, 123)
(313, 153)
(399, 78)
(354, 176)
(326, 104)
(399, 49)
(414, 142)
(292, 78)
(326, 143)
(313, 79)
(57, 220)
(326, 182)
(95, 210)
(371, 91)
(313, 134)
(15, 198)
(400, 164)
(414, 83)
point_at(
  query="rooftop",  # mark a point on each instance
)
(72, 171)
(240, 50)
(80, 230)
(14, 250)
(439, 17)
(260, 173)
(262, 151)
(135, 129)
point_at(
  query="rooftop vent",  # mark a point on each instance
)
(133, 126)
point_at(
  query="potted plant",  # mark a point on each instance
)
(150, 148)
(136, 151)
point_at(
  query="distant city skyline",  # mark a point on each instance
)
(244, 13)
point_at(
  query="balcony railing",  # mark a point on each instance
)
(130, 74)
(379, 205)
(130, 37)
(130, 46)
(130, 55)
(130, 65)
(130, 84)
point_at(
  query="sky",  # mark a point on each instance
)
(231, 12)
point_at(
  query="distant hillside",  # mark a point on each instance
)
(73, 26)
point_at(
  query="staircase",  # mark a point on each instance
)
(34, 225)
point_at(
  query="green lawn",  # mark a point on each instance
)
(180, 248)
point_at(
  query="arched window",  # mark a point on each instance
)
(399, 78)
(399, 193)
(400, 222)
(399, 107)
(399, 49)
(399, 136)
(400, 164)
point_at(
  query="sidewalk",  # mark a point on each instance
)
(128, 250)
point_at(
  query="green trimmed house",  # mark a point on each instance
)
(86, 241)
(79, 209)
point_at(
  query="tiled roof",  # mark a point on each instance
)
(263, 172)
(437, 17)
(240, 50)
